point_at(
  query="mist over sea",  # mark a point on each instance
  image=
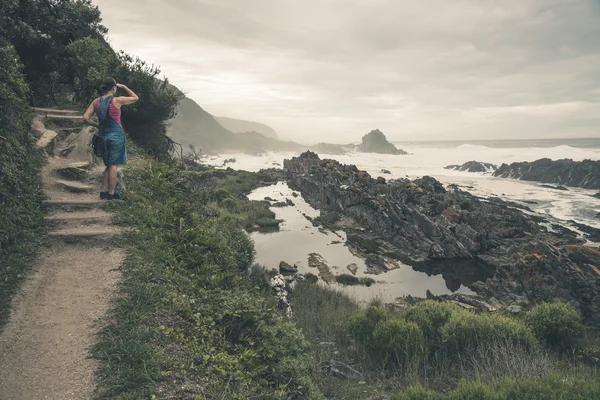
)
(298, 238)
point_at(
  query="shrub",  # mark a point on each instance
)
(363, 325)
(466, 332)
(431, 316)
(398, 342)
(21, 220)
(556, 324)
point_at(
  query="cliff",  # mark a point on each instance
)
(241, 126)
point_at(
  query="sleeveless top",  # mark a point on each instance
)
(109, 121)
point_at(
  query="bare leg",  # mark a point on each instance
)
(112, 179)
(105, 181)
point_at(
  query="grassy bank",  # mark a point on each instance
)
(441, 351)
(194, 320)
(197, 320)
(22, 226)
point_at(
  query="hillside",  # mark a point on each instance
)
(241, 126)
(195, 126)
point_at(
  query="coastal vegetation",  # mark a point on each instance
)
(196, 317)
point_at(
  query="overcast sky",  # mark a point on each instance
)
(332, 70)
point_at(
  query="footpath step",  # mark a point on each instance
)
(42, 110)
(65, 116)
(84, 232)
(83, 216)
(74, 186)
(71, 203)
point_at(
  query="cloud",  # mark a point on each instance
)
(334, 69)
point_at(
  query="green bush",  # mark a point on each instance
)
(398, 342)
(363, 325)
(466, 332)
(21, 221)
(431, 316)
(556, 324)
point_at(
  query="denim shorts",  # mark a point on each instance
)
(115, 151)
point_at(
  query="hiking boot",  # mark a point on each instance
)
(116, 196)
(103, 195)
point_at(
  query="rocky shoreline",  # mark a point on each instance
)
(497, 251)
(584, 174)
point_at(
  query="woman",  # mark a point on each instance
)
(108, 109)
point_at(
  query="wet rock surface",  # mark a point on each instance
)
(584, 174)
(497, 251)
(473, 166)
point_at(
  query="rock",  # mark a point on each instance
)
(343, 370)
(597, 195)
(280, 204)
(386, 171)
(376, 142)
(352, 268)
(515, 309)
(473, 166)
(269, 199)
(278, 283)
(584, 174)
(381, 180)
(286, 268)
(295, 194)
(316, 261)
(289, 202)
(503, 252)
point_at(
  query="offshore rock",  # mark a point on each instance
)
(503, 252)
(584, 174)
(376, 142)
(473, 166)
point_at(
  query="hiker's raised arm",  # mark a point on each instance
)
(87, 115)
(125, 100)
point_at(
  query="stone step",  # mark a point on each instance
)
(82, 165)
(55, 111)
(46, 138)
(84, 232)
(74, 186)
(92, 215)
(72, 203)
(59, 116)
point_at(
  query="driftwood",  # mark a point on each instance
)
(2, 139)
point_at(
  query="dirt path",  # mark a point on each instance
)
(44, 349)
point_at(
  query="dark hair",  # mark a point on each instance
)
(108, 84)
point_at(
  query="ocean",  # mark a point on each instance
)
(298, 238)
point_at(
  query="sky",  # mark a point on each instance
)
(333, 70)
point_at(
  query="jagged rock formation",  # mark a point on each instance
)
(584, 174)
(376, 142)
(473, 166)
(241, 126)
(505, 252)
